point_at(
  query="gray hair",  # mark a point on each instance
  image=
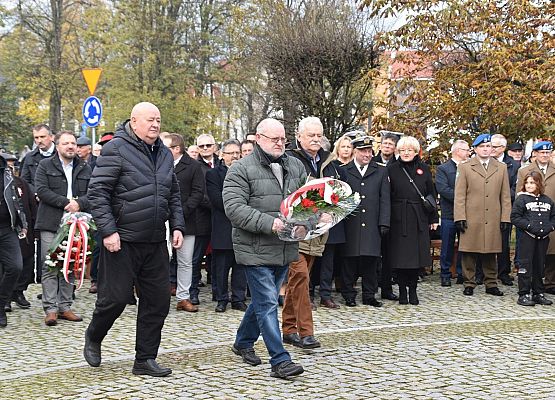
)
(457, 145)
(500, 139)
(205, 135)
(314, 121)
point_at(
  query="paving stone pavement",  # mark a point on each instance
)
(449, 347)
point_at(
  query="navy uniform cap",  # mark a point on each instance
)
(362, 142)
(83, 141)
(483, 138)
(544, 145)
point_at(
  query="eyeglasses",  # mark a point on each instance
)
(235, 153)
(496, 147)
(464, 149)
(274, 139)
(205, 146)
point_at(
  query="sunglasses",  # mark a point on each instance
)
(205, 146)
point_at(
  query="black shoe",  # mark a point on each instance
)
(194, 300)
(372, 302)
(91, 352)
(506, 281)
(460, 280)
(240, 306)
(479, 281)
(446, 282)
(20, 300)
(551, 290)
(281, 300)
(292, 338)
(286, 369)
(403, 297)
(309, 342)
(150, 367)
(494, 291)
(3, 318)
(39, 296)
(350, 303)
(248, 355)
(389, 296)
(413, 296)
(468, 291)
(201, 284)
(8, 307)
(526, 300)
(541, 299)
(221, 307)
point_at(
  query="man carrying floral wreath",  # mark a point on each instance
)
(254, 188)
(61, 182)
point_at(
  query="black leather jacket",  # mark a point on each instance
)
(12, 198)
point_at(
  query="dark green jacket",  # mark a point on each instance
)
(252, 197)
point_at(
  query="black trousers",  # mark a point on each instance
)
(385, 269)
(531, 263)
(201, 244)
(27, 275)
(144, 265)
(407, 277)
(11, 261)
(327, 262)
(364, 266)
(223, 261)
(504, 258)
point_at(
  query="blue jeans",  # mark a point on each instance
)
(261, 315)
(448, 234)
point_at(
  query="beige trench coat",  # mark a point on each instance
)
(483, 200)
(549, 184)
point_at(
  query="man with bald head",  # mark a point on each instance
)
(254, 188)
(132, 193)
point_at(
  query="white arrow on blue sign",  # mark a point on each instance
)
(92, 111)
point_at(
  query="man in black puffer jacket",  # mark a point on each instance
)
(133, 192)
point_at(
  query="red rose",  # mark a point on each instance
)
(314, 209)
(307, 203)
(321, 192)
(334, 198)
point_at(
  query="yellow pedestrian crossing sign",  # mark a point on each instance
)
(92, 76)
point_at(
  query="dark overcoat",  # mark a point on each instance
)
(220, 238)
(203, 212)
(362, 230)
(409, 237)
(191, 187)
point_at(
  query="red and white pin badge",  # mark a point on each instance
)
(419, 171)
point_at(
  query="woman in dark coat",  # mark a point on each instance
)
(409, 239)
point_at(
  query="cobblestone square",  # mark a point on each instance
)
(449, 347)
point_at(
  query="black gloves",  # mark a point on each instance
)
(461, 226)
(505, 226)
(384, 231)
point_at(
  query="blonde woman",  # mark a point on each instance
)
(343, 150)
(409, 238)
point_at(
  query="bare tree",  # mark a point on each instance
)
(321, 58)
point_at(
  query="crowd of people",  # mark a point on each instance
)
(164, 209)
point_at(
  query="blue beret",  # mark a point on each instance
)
(545, 145)
(483, 138)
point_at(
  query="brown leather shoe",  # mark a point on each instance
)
(70, 316)
(186, 305)
(51, 319)
(329, 303)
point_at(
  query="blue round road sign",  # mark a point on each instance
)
(92, 111)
